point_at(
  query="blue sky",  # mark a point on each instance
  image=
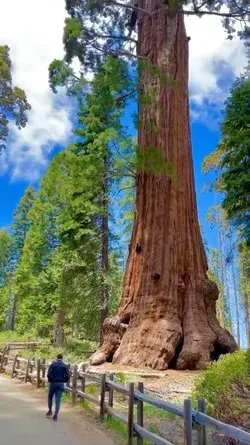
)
(204, 140)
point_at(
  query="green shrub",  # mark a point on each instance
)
(120, 377)
(92, 389)
(10, 336)
(156, 413)
(225, 386)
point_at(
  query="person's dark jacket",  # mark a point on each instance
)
(58, 372)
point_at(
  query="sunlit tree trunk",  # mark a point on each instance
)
(59, 329)
(167, 313)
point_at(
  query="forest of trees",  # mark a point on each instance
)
(110, 200)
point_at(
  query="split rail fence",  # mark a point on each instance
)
(35, 371)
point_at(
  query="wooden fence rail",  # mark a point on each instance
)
(36, 370)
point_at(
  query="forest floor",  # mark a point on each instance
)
(171, 385)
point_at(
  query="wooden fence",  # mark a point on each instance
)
(36, 370)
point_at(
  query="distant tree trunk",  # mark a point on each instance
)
(248, 332)
(59, 329)
(247, 320)
(236, 302)
(105, 250)
(13, 313)
(222, 272)
(167, 314)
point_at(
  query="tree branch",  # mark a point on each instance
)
(121, 174)
(232, 15)
(102, 36)
(125, 96)
(119, 53)
(125, 159)
(135, 8)
(121, 190)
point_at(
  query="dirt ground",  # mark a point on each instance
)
(171, 385)
(23, 421)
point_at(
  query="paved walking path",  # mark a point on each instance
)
(23, 421)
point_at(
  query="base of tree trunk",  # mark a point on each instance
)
(166, 343)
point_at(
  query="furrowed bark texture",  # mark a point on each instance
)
(167, 313)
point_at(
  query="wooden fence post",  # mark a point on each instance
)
(140, 388)
(18, 365)
(130, 413)
(201, 435)
(74, 384)
(32, 365)
(38, 374)
(14, 366)
(2, 361)
(188, 423)
(43, 369)
(27, 371)
(102, 396)
(7, 357)
(83, 381)
(111, 393)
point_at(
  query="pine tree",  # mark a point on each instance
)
(19, 229)
(13, 102)
(215, 275)
(216, 217)
(244, 277)
(65, 275)
(230, 159)
(102, 135)
(5, 247)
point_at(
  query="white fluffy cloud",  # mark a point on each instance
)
(214, 60)
(33, 30)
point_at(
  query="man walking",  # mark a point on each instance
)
(58, 375)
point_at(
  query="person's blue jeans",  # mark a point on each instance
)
(55, 389)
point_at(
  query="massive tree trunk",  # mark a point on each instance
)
(167, 312)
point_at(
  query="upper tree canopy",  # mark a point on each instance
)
(231, 158)
(13, 101)
(96, 28)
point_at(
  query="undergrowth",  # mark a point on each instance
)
(73, 351)
(225, 386)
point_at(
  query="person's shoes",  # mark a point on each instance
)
(55, 417)
(49, 414)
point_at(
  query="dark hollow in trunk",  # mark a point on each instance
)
(155, 314)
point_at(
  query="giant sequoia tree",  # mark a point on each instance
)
(167, 310)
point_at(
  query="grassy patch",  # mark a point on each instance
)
(9, 336)
(120, 429)
(120, 377)
(92, 389)
(66, 397)
(151, 412)
(111, 423)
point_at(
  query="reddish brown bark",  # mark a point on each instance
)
(167, 311)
